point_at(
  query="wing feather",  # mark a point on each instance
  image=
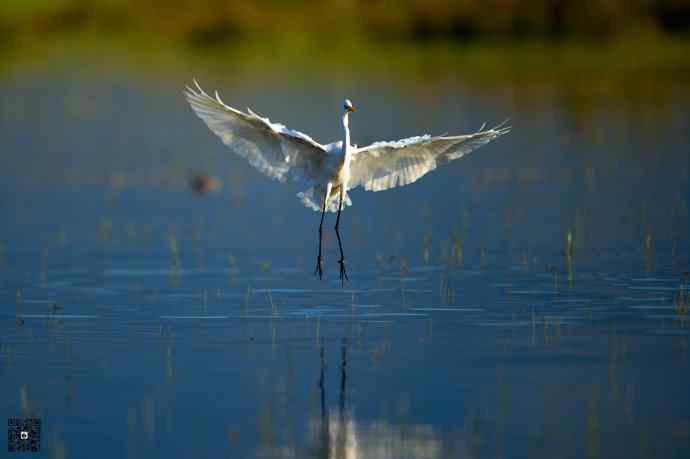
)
(384, 165)
(275, 150)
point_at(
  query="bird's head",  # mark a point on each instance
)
(348, 107)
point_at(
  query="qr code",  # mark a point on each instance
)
(23, 435)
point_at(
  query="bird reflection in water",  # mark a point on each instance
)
(336, 434)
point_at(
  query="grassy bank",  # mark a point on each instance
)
(635, 56)
(208, 22)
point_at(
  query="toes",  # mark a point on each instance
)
(319, 268)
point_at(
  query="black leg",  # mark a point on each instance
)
(341, 262)
(319, 264)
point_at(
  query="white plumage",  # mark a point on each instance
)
(289, 155)
(330, 171)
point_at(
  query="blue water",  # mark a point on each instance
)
(142, 319)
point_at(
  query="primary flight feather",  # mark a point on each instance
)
(330, 171)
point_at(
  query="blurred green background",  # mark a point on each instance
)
(214, 21)
(609, 46)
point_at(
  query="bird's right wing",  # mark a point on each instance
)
(384, 165)
(275, 150)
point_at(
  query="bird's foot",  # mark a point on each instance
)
(343, 271)
(319, 268)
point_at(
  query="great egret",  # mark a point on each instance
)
(330, 170)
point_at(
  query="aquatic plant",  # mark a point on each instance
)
(265, 266)
(174, 258)
(569, 252)
(648, 252)
(457, 256)
(232, 262)
(426, 248)
(105, 230)
(681, 302)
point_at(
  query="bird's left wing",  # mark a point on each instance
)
(384, 165)
(276, 151)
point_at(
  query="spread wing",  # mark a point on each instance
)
(384, 165)
(275, 150)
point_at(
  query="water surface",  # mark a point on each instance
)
(528, 300)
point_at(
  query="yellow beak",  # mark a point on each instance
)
(351, 109)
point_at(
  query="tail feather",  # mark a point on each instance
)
(313, 199)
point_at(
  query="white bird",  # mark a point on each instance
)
(331, 170)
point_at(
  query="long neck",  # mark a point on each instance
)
(347, 149)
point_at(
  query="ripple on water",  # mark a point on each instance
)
(289, 290)
(266, 317)
(98, 290)
(56, 284)
(198, 317)
(393, 314)
(654, 288)
(126, 272)
(322, 291)
(315, 311)
(662, 317)
(119, 308)
(180, 295)
(654, 279)
(58, 316)
(670, 332)
(230, 295)
(426, 269)
(404, 279)
(630, 298)
(516, 323)
(532, 292)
